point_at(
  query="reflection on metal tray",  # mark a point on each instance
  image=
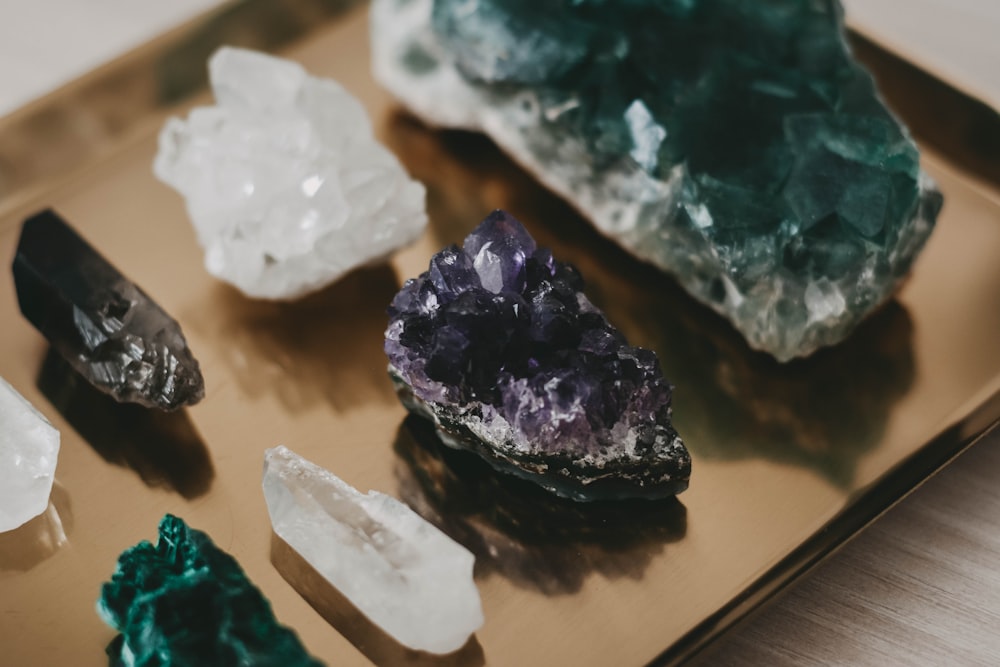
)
(789, 460)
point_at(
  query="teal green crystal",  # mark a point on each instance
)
(736, 144)
(186, 602)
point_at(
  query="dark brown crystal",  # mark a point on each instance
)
(103, 324)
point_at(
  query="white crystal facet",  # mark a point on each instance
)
(404, 574)
(29, 448)
(285, 184)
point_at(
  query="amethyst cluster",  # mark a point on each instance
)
(498, 345)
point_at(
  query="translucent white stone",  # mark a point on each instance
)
(285, 184)
(404, 574)
(29, 448)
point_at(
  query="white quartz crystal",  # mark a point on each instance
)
(285, 184)
(404, 574)
(29, 448)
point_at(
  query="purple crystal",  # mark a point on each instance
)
(500, 348)
(500, 247)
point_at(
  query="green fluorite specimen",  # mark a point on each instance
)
(733, 143)
(186, 602)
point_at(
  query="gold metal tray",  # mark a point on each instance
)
(789, 461)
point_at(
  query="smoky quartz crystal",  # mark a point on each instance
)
(106, 326)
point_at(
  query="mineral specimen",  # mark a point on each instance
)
(498, 345)
(734, 144)
(29, 447)
(285, 184)
(105, 326)
(401, 572)
(185, 602)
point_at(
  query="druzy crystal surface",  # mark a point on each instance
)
(734, 144)
(400, 571)
(29, 449)
(104, 325)
(186, 602)
(285, 185)
(499, 346)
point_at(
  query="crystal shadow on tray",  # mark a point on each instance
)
(822, 413)
(730, 402)
(521, 531)
(297, 349)
(377, 645)
(28, 545)
(163, 448)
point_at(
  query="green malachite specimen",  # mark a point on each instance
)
(186, 602)
(735, 144)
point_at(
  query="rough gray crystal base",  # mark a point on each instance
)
(735, 145)
(575, 478)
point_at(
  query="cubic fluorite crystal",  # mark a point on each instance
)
(104, 325)
(185, 602)
(29, 449)
(285, 184)
(400, 571)
(499, 346)
(734, 144)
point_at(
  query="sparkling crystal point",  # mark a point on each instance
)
(499, 248)
(29, 449)
(527, 373)
(186, 602)
(400, 571)
(735, 145)
(285, 184)
(103, 324)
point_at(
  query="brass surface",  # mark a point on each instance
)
(789, 460)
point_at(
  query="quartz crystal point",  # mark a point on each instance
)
(186, 602)
(498, 345)
(105, 326)
(285, 184)
(29, 448)
(404, 574)
(734, 144)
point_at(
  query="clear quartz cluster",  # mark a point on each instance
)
(285, 184)
(29, 449)
(734, 144)
(400, 571)
(498, 345)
